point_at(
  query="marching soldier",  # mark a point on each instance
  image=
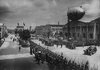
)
(43, 57)
(38, 56)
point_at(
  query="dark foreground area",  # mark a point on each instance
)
(22, 64)
(26, 64)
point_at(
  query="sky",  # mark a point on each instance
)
(41, 12)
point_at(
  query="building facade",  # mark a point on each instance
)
(83, 31)
(3, 30)
(42, 30)
(48, 30)
(19, 28)
(56, 29)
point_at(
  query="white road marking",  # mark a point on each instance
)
(4, 45)
(14, 56)
(7, 43)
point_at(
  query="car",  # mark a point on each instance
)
(90, 51)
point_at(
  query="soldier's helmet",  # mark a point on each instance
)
(39, 51)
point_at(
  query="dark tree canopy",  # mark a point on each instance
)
(25, 34)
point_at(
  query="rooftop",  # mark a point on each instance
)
(20, 27)
(55, 25)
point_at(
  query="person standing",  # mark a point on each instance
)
(31, 50)
(61, 45)
(19, 48)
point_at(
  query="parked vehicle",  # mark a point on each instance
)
(90, 51)
(24, 43)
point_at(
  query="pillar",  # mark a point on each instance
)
(81, 34)
(87, 32)
(94, 32)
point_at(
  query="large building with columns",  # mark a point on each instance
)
(83, 31)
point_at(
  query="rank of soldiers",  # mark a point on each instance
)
(52, 59)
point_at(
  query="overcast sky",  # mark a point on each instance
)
(41, 12)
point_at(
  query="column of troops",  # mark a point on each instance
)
(55, 61)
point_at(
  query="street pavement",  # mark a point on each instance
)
(13, 59)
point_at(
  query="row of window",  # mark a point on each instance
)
(83, 28)
(84, 35)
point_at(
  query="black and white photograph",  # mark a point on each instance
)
(49, 34)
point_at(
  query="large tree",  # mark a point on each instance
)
(25, 34)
